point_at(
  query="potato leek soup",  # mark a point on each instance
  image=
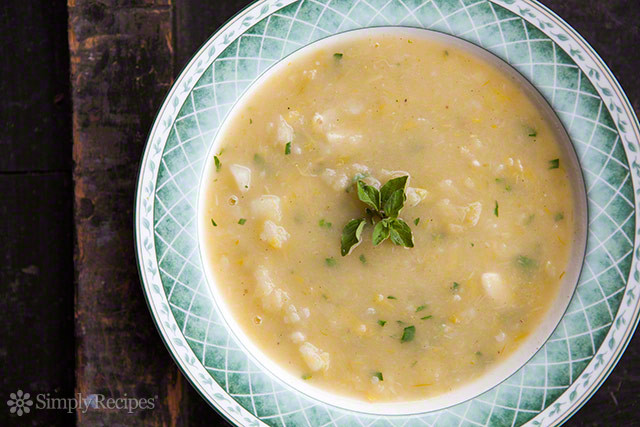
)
(387, 217)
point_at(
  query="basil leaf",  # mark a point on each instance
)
(392, 186)
(408, 334)
(380, 232)
(369, 195)
(401, 233)
(394, 203)
(351, 235)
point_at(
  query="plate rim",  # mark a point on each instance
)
(269, 7)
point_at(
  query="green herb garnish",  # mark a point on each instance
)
(362, 259)
(337, 56)
(408, 334)
(213, 223)
(478, 353)
(331, 262)
(416, 221)
(324, 224)
(391, 297)
(258, 159)
(241, 221)
(559, 216)
(216, 160)
(533, 133)
(554, 164)
(382, 322)
(426, 317)
(422, 307)
(526, 262)
(384, 204)
(306, 376)
(529, 219)
(495, 210)
(351, 235)
(287, 148)
(378, 375)
(455, 286)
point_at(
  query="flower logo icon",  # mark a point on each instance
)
(19, 403)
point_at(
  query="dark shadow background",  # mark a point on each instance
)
(86, 328)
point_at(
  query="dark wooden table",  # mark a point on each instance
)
(81, 84)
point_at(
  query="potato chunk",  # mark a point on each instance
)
(242, 175)
(272, 298)
(315, 358)
(285, 131)
(274, 234)
(267, 206)
(415, 195)
(473, 214)
(495, 287)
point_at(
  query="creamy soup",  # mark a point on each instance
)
(478, 237)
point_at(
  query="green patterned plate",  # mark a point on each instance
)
(603, 129)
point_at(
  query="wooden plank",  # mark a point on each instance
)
(36, 246)
(34, 116)
(121, 68)
(36, 229)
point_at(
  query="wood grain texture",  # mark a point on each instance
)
(36, 228)
(34, 117)
(121, 67)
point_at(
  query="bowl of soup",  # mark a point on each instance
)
(388, 222)
(493, 203)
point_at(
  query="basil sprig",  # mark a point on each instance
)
(383, 205)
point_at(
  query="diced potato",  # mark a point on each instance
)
(291, 314)
(285, 131)
(358, 168)
(415, 195)
(348, 137)
(264, 284)
(242, 175)
(274, 234)
(297, 337)
(267, 206)
(295, 117)
(495, 287)
(272, 298)
(315, 358)
(337, 181)
(473, 214)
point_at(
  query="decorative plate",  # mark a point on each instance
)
(603, 313)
